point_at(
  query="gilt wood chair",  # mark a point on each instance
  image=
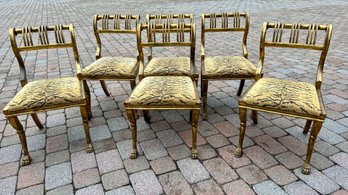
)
(163, 92)
(44, 95)
(173, 65)
(285, 97)
(112, 68)
(224, 67)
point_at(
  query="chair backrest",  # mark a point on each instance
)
(167, 34)
(125, 24)
(293, 39)
(171, 18)
(226, 22)
(42, 37)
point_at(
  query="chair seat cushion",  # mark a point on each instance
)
(165, 66)
(228, 67)
(46, 94)
(110, 68)
(164, 91)
(284, 96)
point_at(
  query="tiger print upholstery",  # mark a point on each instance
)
(108, 68)
(165, 66)
(284, 96)
(162, 91)
(45, 94)
(235, 67)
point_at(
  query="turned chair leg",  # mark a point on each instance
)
(204, 94)
(37, 121)
(307, 126)
(254, 116)
(242, 117)
(105, 89)
(88, 99)
(306, 168)
(133, 124)
(195, 117)
(241, 86)
(15, 123)
(84, 114)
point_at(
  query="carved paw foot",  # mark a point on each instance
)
(306, 169)
(194, 154)
(133, 154)
(89, 148)
(238, 153)
(26, 160)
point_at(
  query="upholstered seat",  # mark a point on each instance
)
(218, 67)
(109, 68)
(284, 96)
(46, 94)
(164, 66)
(164, 91)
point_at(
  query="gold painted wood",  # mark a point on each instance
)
(115, 67)
(285, 97)
(50, 94)
(224, 67)
(173, 30)
(163, 93)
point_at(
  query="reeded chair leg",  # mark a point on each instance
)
(105, 89)
(204, 94)
(307, 126)
(306, 168)
(84, 114)
(195, 117)
(37, 121)
(241, 86)
(88, 98)
(132, 84)
(254, 116)
(242, 117)
(147, 117)
(133, 124)
(21, 134)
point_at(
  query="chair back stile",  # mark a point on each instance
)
(113, 24)
(309, 42)
(43, 34)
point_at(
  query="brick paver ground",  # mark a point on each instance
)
(271, 162)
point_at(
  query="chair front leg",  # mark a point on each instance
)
(105, 89)
(88, 99)
(195, 117)
(307, 126)
(242, 117)
(15, 123)
(241, 86)
(37, 120)
(133, 124)
(204, 94)
(306, 168)
(84, 114)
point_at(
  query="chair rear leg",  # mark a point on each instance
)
(204, 94)
(105, 89)
(306, 168)
(195, 117)
(307, 126)
(15, 123)
(242, 117)
(84, 114)
(147, 117)
(241, 86)
(37, 120)
(254, 116)
(132, 84)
